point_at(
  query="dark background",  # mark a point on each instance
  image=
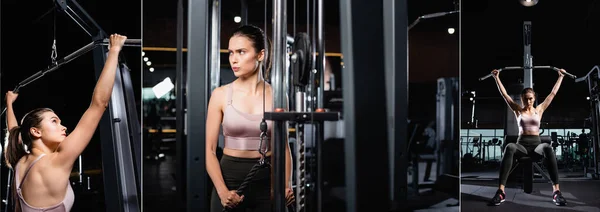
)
(26, 43)
(564, 34)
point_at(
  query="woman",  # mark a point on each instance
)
(40, 152)
(238, 107)
(529, 142)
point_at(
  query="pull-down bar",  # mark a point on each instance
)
(519, 67)
(69, 58)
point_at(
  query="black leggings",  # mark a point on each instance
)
(528, 145)
(257, 196)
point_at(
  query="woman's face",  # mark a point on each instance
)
(528, 99)
(51, 129)
(243, 57)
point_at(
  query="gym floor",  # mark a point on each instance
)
(477, 188)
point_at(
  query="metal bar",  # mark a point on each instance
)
(74, 16)
(279, 131)
(428, 16)
(586, 77)
(180, 113)
(363, 49)
(81, 18)
(388, 13)
(525, 68)
(321, 57)
(8, 189)
(313, 77)
(527, 57)
(596, 131)
(396, 74)
(75, 54)
(197, 101)
(244, 12)
(59, 63)
(128, 42)
(473, 111)
(215, 42)
(134, 127)
(320, 45)
(126, 171)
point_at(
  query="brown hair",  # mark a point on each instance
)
(18, 137)
(259, 42)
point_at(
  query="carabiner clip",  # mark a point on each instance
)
(263, 154)
(54, 54)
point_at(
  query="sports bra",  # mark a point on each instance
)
(64, 206)
(529, 122)
(242, 130)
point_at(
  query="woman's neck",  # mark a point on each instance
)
(40, 148)
(251, 84)
(529, 108)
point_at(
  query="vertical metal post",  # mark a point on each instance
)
(312, 88)
(473, 110)
(595, 127)
(215, 42)
(321, 50)
(180, 113)
(279, 130)
(8, 189)
(527, 57)
(197, 101)
(396, 75)
(123, 145)
(244, 12)
(319, 99)
(134, 127)
(363, 48)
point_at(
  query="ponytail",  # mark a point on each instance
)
(15, 149)
(268, 61)
(13, 152)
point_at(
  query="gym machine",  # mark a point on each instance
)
(592, 79)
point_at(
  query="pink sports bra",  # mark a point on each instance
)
(529, 122)
(242, 130)
(64, 206)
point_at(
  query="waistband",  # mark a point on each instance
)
(529, 139)
(239, 159)
(529, 136)
(246, 143)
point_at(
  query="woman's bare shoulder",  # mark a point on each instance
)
(220, 91)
